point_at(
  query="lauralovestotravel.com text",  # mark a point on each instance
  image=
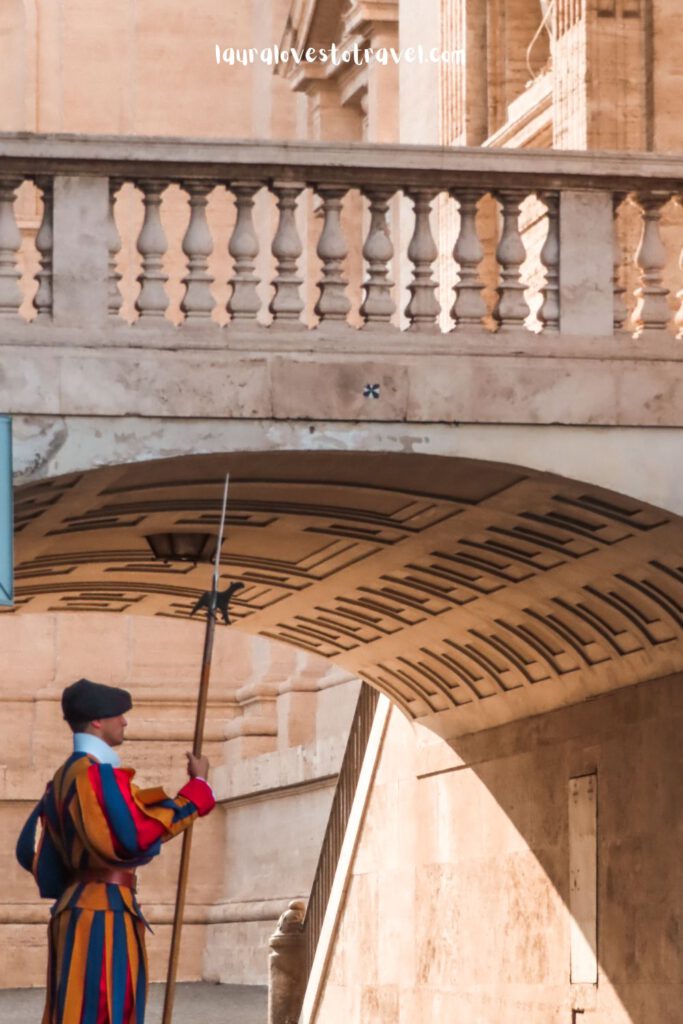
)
(337, 55)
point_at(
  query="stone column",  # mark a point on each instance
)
(602, 89)
(287, 966)
(328, 119)
(383, 86)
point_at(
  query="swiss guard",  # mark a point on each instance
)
(94, 828)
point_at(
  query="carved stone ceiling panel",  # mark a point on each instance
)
(471, 593)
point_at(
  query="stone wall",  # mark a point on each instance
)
(145, 70)
(457, 905)
(276, 730)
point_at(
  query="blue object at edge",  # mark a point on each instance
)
(6, 515)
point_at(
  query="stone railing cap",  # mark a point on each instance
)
(219, 159)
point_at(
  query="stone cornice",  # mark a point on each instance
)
(357, 26)
(526, 116)
(364, 14)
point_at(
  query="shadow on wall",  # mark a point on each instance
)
(631, 740)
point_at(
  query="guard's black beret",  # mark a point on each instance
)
(84, 701)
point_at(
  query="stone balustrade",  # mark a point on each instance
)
(179, 242)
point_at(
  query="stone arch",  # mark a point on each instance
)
(621, 459)
(472, 593)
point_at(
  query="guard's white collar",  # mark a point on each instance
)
(86, 743)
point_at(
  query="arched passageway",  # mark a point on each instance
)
(471, 593)
(475, 595)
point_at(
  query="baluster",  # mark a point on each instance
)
(620, 308)
(511, 309)
(115, 299)
(197, 244)
(244, 302)
(44, 240)
(332, 304)
(423, 308)
(286, 303)
(378, 305)
(152, 300)
(469, 306)
(549, 313)
(652, 311)
(10, 241)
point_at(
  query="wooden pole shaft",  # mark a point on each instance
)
(169, 995)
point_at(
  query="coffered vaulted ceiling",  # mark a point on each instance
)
(471, 593)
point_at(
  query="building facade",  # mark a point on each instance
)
(427, 313)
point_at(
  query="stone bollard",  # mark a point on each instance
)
(287, 966)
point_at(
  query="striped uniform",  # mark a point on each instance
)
(92, 816)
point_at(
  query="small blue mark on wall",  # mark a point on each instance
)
(371, 391)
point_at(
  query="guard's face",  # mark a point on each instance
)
(112, 730)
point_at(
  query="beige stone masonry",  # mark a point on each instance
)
(472, 855)
(231, 906)
(624, 387)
